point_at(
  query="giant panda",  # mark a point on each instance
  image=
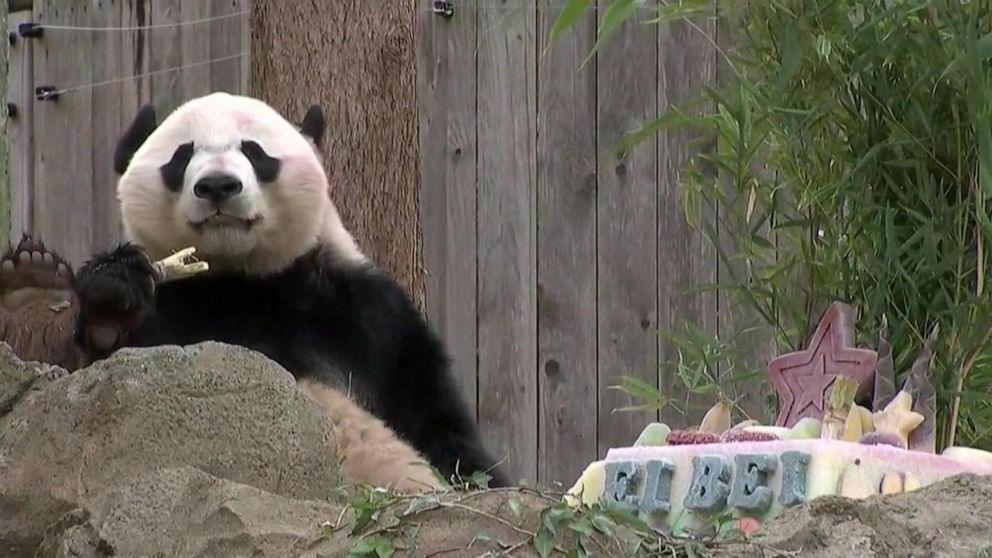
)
(230, 176)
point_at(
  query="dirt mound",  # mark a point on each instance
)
(949, 519)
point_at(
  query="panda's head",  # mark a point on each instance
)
(233, 178)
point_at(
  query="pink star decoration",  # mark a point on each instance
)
(803, 379)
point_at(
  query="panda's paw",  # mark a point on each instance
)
(116, 292)
(32, 266)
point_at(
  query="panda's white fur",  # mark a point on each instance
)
(291, 220)
(289, 217)
(369, 451)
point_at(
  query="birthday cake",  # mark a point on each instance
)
(687, 481)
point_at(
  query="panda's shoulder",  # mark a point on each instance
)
(345, 282)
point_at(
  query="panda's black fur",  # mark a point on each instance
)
(351, 327)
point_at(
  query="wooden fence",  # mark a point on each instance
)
(553, 265)
(105, 58)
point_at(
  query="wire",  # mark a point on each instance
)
(156, 72)
(143, 27)
(503, 6)
(510, 7)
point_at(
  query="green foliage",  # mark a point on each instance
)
(384, 524)
(852, 161)
(376, 537)
(700, 355)
(367, 504)
(377, 545)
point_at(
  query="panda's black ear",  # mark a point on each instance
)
(313, 125)
(136, 134)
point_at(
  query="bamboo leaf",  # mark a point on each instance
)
(617, 13)
(983, 50)
(674, 11)
(671, 118)
(791, 53)
(569, 14)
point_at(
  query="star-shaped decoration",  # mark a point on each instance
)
(812, 384)
(803, 379)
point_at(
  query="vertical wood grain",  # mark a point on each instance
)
(5, 144)
(45, 119)
(135, 55)
(446, 98)
(166, 47)
(507, 233)
(20, 128)
(194, 81)
(107, 126)
(64, 165)
(73, 203)
(566, 247)
(226, 36)
(628, 247)
(245, 45)
(686, 259)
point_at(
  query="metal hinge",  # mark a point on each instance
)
(443, 8)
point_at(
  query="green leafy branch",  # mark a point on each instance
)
(384, 523)
(850, 158)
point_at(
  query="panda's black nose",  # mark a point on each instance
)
(217, 187)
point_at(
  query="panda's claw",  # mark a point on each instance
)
(30, 265)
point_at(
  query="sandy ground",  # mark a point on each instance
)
(951, 518)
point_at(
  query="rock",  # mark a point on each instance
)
(950, 518)
(18, 377)
(186, 512)
(228, 411)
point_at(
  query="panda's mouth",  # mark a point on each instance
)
(224, 221)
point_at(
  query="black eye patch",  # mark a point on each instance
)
(173, 171)
(266, 167)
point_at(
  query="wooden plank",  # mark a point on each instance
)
(5, 144)
(753, 338)
(566, 248)
(106, 128)
(166, 49)
(627, 217)
(135, 57)
(44, 118)
(20, 128)
(507, 234)
(63, 165)
(226, 40)
(686, 259)
(446, 97)
(246, 47)
(194, 80)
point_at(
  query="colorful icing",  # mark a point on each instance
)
(757, 479)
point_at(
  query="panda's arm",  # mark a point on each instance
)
(116, 292)
(414, 390)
